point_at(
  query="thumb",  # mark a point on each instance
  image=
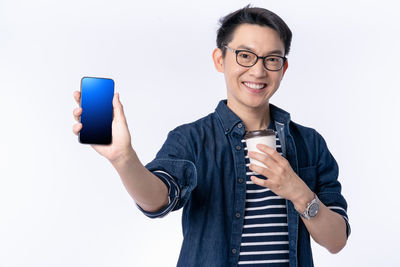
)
(118, 108)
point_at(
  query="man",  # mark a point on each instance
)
(230, 215)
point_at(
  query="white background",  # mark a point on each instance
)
(61, 204)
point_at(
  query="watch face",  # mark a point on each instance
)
(313, 209)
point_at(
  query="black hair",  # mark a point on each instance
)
(252, 15)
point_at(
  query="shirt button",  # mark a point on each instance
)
(234, 250)
(240, 125)
(237, 215)
(238, 147)
(240, 180)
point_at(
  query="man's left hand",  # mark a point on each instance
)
(281, 178)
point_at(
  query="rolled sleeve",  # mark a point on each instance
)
(174, 165)
(328, 187)
(173, 193)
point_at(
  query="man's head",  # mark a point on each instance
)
(263, 34)
(256, 16)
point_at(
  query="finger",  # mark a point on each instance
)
(259, 181)
(266, 172)
(77, 128)
(270, 151)
(118, 108)
(265, 159)
(77, 113)
(77, 97)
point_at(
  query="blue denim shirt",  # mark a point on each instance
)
(203, 165)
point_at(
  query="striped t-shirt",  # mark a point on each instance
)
(265, 240)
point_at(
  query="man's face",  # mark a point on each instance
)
(250, 87)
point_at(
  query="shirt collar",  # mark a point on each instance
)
(229, 119)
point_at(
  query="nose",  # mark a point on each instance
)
(258, 70)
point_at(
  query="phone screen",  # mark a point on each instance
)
(97, 110)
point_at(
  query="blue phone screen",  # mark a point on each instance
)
(97, 110)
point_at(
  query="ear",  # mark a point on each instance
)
(285, 68)
(218, 59)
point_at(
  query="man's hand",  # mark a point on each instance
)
(148, 191)
(281, 178)
(121, 146)
(327, 228)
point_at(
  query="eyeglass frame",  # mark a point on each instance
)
(237, 51)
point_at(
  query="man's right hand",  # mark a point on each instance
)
(145, 188)
(121, 146)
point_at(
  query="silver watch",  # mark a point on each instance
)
(312, 209)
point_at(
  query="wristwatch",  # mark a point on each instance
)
(312, 209)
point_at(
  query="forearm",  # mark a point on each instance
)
(328, 228)
(148, 191)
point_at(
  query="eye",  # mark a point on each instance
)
(273, 62)
(245, 55)
(273, 59)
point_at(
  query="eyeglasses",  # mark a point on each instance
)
(247, 58)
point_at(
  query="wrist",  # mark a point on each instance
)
(124, 158)
(301, 201)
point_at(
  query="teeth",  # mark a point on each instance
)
(256, 86)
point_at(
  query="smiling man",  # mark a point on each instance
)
(236, 213)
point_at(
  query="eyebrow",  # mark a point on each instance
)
(273, 52)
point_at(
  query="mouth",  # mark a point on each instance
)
(255, 87)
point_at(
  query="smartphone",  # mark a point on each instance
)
(97, 110)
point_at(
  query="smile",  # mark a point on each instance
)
(255, 87)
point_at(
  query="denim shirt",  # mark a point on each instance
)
(203, 165)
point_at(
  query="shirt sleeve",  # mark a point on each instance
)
(174, 165)
(328, 187)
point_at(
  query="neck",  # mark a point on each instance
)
(253, 118)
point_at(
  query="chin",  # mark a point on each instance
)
(256, 103)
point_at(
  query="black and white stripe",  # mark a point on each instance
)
(265, 230)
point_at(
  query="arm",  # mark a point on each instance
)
(327, 228)
(148, 191)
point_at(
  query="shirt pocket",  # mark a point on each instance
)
(309, 176)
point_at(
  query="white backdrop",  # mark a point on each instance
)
(61, 204)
